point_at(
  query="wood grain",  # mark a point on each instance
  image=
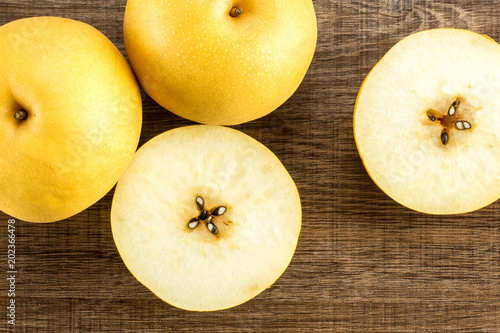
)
(363, 262)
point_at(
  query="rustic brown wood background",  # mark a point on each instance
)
(363, 262)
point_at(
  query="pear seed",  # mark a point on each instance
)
(200, 203)
(444, 137)
(193, 223)
(452, 110)
(203, 216)
(218, 211)
(212, 228)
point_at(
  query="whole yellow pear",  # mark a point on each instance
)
(220, 62)
(70, 117)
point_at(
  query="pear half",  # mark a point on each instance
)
(206, 217)
(427, 122)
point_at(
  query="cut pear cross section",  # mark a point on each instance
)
(427, 122)
(206, 203)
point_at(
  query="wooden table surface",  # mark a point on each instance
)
(363, 263)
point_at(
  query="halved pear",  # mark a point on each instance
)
(427, 121)
(206, 217)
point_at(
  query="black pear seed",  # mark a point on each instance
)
(193, 223)
(212, 228)
(200, 203)
(203, 216)
(444, 137)
(219, 211)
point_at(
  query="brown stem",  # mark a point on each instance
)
(236, 12)
(21, 115)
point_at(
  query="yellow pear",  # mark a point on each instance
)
(427, 121)
(206, 217)
(70, 117)
(220, 62)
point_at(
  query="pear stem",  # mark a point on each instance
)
(236, 12)
(21, 115)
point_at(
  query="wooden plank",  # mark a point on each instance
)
(363, 262)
